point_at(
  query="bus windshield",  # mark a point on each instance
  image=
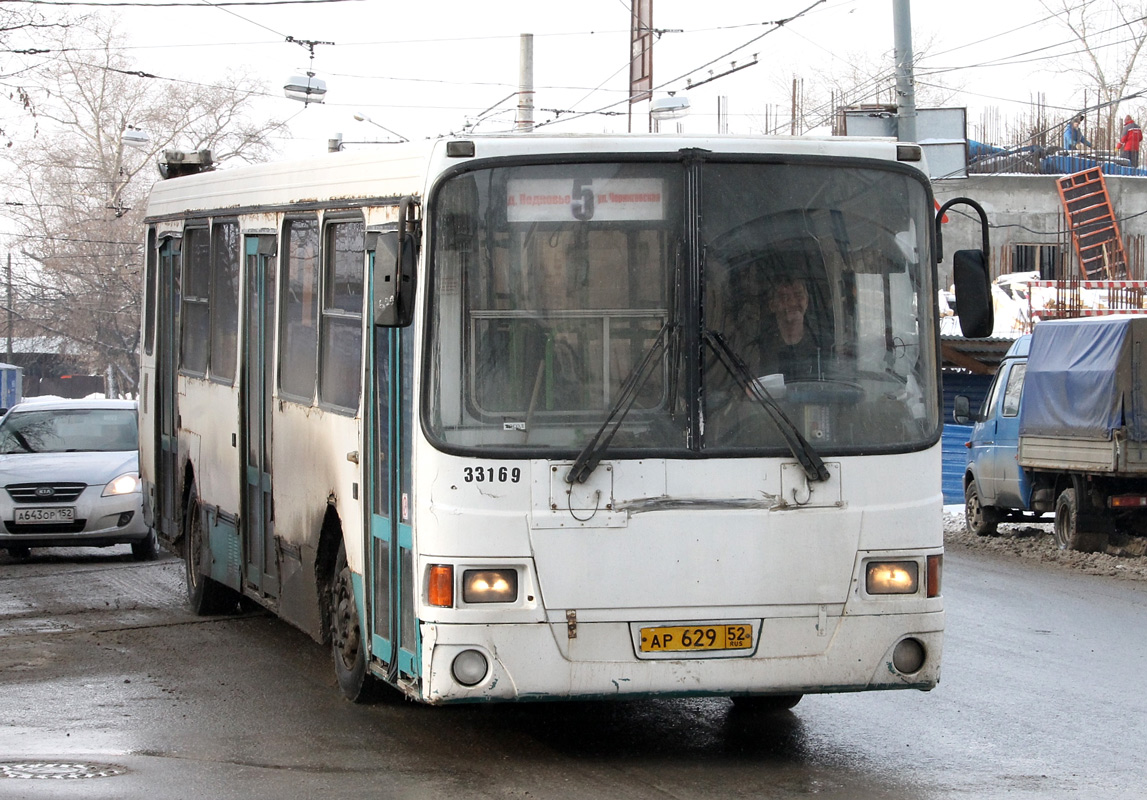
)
(681, 301)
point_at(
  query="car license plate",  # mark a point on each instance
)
(691, 638)
(44, 516)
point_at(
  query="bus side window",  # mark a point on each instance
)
(299, 343)
(340, 356)
(196, 305)
(149, 293)
(224, 301)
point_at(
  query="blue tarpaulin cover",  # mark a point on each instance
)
(1080, 379)
(1066, 163)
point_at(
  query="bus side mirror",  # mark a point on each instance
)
(973, 294)
(406, 263)
(971, 276)
(384, 255)
(961, 410)
(395, 254)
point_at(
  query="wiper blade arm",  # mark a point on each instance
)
(812, 463)
(591, 455)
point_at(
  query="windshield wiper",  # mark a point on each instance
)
(812, 463)
(591, 455)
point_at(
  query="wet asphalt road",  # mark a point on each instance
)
(1042, 696)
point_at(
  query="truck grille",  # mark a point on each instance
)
(44, 492)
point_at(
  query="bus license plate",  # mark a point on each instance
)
(692, 638)
(44, 516)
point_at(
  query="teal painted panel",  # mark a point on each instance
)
(357, 583)
(226, 552)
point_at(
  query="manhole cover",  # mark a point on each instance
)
(57, 770)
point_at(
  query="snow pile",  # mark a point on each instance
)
(1034, 541)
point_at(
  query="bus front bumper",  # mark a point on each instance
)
(474, 663)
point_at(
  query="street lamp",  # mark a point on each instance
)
(305, 88)
(135, 137)
(671, 107)
(363, 118)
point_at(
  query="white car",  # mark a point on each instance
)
(70, 476)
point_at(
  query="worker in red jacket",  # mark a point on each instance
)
(1132, 136)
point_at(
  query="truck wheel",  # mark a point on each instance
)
(1068, 536)
(980, 519)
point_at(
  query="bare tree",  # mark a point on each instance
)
(1111, 35)
(18, 23)
(82, 189)
(849, 79)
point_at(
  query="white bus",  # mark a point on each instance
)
(506, 418)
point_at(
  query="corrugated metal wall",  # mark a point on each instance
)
(974, 387)
(953, 462)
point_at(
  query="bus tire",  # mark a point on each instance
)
(346, 635)
(980, 519)
(766, 703)
(205, 595)
(147, 548)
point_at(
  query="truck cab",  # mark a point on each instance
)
(995, 486)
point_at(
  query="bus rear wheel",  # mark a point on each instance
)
(205, 595)
(346, 635)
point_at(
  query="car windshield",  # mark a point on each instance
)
(69, 431)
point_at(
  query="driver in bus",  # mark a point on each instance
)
(787, 344)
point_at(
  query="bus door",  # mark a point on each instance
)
(261, 566)
(391, 542)
(166, 387)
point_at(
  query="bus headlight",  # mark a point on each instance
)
(490, 585)
(892, 577)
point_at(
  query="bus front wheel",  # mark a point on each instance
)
(766, 703)
(346, 635)
(205, 595)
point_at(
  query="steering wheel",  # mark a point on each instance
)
(823, 392)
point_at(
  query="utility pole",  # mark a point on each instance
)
(525, 83)
(8, 360)
(905, 83)
(793, 111)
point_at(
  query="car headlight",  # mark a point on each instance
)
(892, 577)
(124, 484)
(490, 585)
